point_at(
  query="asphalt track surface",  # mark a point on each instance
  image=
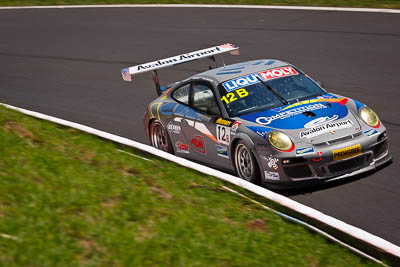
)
(66, 63)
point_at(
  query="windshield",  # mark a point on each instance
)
(263, 90)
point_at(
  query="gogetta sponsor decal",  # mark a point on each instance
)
(223, 122)
(173, 128)
(289, 113)
(222, 151)
(181, 147)
(346, 152)
(272, 162)
(198, 144)
(304, 151)
(271, 175)
(370, 132)
(328, 127)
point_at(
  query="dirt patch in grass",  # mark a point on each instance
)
(143, 233)
(127, 171)
(86, 156)
(312, 262)
(19, 130)
(194, 185)
(229, 221)
(161, 192)
(89, 247)
(35, 179)
(257, 225)
(110, 203)
(156, 188)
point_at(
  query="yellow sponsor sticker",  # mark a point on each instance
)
(346, 152)
(223, 122)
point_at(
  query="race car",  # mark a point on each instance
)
(264, 120)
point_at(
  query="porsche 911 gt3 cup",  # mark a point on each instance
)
(265, 120)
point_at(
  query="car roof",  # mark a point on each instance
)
(240, 69)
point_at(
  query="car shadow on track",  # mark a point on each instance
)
(315, 188)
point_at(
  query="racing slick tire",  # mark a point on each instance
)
(245, 163)
(159, 137)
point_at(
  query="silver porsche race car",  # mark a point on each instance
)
(265, 120)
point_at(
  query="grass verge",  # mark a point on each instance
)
(324, 3)
(69, 198)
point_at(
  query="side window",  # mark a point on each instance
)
(182, 94)
(203, 99)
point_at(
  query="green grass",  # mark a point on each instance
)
(69, 198)
(332, 3)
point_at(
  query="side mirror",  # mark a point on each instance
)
(320, 84)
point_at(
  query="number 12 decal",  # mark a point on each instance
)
(223, 134)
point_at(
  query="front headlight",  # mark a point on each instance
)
(280, 141)
(369, 117)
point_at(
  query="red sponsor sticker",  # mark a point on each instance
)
(320, 156)
(278, 73)
(236, 125)
(198, 143)
(181, 147)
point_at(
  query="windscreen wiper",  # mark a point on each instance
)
(284, 101)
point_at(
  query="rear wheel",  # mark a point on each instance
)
(245, 163)
(159, 137)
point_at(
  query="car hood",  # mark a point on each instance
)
(316, 120)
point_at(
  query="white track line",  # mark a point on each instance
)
(312, 8)
(131, 154)
(379, 243)
(6, 236)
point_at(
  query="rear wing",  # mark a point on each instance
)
(176, 60)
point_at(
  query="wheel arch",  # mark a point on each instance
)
(149, 123)
(249, 142)
(156, 120)
(241, 137)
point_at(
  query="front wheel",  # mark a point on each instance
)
(245, 163)
(159, 137)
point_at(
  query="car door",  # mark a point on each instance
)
(199, 126)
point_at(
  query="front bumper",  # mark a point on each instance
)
(320, 167)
